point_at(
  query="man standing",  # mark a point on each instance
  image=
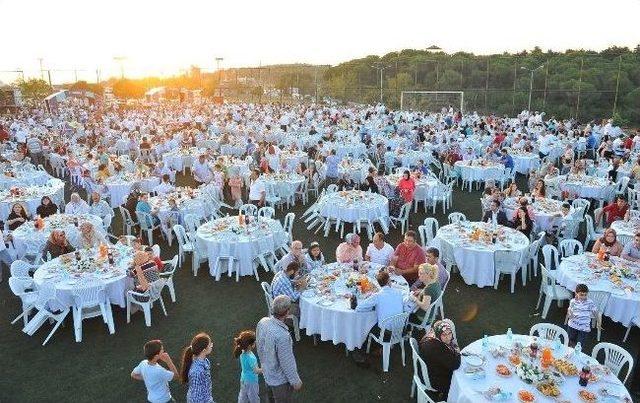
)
(257, 189)
(156, 378)
(506, 159)
(332, 162)
(275, 350)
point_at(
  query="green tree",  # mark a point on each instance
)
(34, 89)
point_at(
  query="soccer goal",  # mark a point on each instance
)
(431, 101)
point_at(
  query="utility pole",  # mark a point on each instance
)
(615, 100)
(381, 68)
(579, 88)
(120, 60)
(218, 60)
(531, 83)
(40, 59)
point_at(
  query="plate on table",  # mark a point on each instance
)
(309, 293)
(474, 360)
(49, 276)
(325, 302)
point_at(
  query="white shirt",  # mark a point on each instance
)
(101, 209)
(163, 188)
(380, 256)
(387, 302)
(156, 378)
(202, 172)
(256, 190)
(77, 208)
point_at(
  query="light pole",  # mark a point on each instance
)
(120, 60)
(218, 61)
(531, 83)
(381, 68)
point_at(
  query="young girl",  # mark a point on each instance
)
(235, 183)
(196, 369)
(245, 342)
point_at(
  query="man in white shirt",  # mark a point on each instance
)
(101, 208)
(469, 155)
(379, 251)
(156, 378)
(164, 187)
(202, 172)
(257, 190)
(76, 205)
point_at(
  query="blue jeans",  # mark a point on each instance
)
(576, 336)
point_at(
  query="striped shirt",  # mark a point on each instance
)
(581, 313)
(275, 350)
(282, 285)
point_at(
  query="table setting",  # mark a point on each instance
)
(627, 228)
(21, 174)
(243, 237)
(479, 169)
(357, 169)
(547, 212)
(352, 205)
(32, 236)
(426, 185)
(583, 186)
(617, 276)
(187, 201)
(283, 184)
(106, 263)
(178, 158)
(326, 304)
(30, 196)
(119, 185)
(473, 245)
(530, 369)
(523, 161)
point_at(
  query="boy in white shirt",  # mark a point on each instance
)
(156, 378)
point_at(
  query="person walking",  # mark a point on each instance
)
(156, 378)
(196, 369)
(245, 342)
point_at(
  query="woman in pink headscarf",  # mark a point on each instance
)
(349, 250)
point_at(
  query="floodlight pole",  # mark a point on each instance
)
(381, 68)
(531, 83)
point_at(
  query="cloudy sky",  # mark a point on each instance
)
(162, 37)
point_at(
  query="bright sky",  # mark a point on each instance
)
(161, 37)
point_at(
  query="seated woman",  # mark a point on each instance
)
(442, 356)
(103, 173)
(370, 183)
(608, 243)
(46, 207)
(57, 245)
(522, 222)
(540, 190)
(512, 191)
(144, 273)
(346, 183)
(424, 297)
(17, 217)
(314, 258)
(89, 237)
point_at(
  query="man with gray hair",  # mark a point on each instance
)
(295, 255)
(76, 205)
(275, 349)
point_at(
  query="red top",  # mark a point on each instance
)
(158, 263)
(408, 258)
(499, 138)
(406, 188)
(614, 212)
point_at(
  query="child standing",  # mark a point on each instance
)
(156, 378)
(581, 311)
(245, 342)
(235, 183)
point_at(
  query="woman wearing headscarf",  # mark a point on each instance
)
(46, 207)
(17, 217)
(440, 352)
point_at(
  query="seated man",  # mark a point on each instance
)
(494, 215)
(143, 206)
(164, 187)
(285, 283)
(614, 211)
(387, 302)
(631, 250)
(101, 208)
(379, 252)
(349, 250)
(201, 170)
(295, 255)
(76, 205)
(407, 257)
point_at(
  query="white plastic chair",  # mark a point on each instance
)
(615, 358)
(570, 247)
(396, 324)
(153, 294)
(248, 209)
(288, 226)
(168, 275)
(551, 291)
(549, 331)
(20, 268)
(600, 299)
(46, 304)
(185, 245)
(128, 223)
(551, 257)
(268, 296)
(592, 235)
(583, 204)
(402, 218)
(430, 315)
(267, 212)
(432, 227)
(20, 287)
(225, 254)
(90, 301)
(508, 262)
(148, 225)
(421, 380)
(456, 218)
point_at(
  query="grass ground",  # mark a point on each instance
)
(98, 368)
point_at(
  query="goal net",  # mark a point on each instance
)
(431, 101)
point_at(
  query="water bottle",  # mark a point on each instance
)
(509, 334)
(578, 349)
(556, 344)
(485, 342)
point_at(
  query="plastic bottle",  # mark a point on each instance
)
(509, 334)
(578, 349)
(485, 342)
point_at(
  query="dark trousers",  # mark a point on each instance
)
(280, 394)
(576, 336)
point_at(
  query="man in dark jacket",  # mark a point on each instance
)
(495, 215)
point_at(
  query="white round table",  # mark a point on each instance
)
(27, 239)
(479, 170)
(546, 211)
(325, 311)
(624, 302)
(225, 236)
(524, 162)
(119, 186)
(425, 185)
(474, 258)
(291, 159)
(283, 185)
(465, 387)
(356, 169)
(176, 159)
(31, 196)
(352, 205)
(23, 174)
(584, 186)
(188, 201)
(67, 274)
(628, 228)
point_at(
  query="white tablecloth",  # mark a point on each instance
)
(523, 163)
(546, 211)
(356, 169)
(353, 205)
(628, 228)
(115, 278)
(244, 246)
(474, 258)
(338, 322)
(623, 304)
(284, 185)
(478, 172)
(176, 159)
(23, 177)
(425, 186)
(185, 204)
(54, 189)
(464, 388)
(27, 239)
(583, 186)
(119, 188)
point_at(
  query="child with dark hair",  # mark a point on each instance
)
(195, 371)
(156, 378)
(581, 311)
(245, 342)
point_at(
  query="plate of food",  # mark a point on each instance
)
(587, 396)
(503, 371)
(514, 359)
(496, 394)
(548, 388)
(525, 396)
